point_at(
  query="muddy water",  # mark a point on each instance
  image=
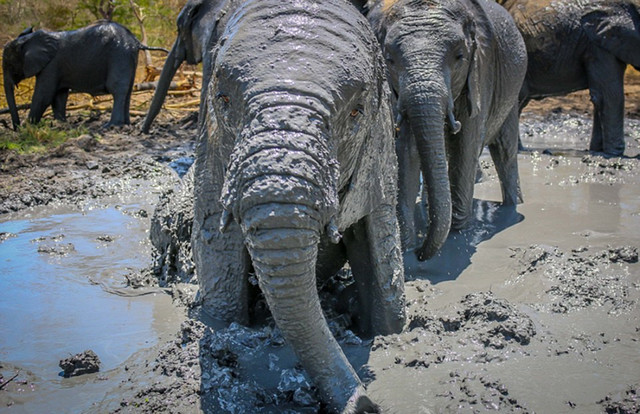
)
(62, 272)
(544, 265)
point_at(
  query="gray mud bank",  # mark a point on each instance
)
(532, 310)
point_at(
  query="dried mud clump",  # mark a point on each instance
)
(492, 321)
(480, 328)
(215, 371)
(580, 278)
(626, 402)
(473, 393)
(170, 235)
(83, 363)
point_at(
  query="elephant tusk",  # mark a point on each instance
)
(225, 220)
(399, 120)
(332, 231)
(454, 123)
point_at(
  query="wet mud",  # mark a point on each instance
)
(528, 310)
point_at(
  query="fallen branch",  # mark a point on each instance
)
(189, 104)
(146, 86)
(9, 380)
(5, 111)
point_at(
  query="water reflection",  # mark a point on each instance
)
(52, 306)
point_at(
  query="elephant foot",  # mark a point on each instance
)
(111, 125)
(360, 403)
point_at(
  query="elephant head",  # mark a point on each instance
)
(297, 148)
(197, 22)
(22, 58)
(431, 48)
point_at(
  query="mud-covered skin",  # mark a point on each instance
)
(199, 24)
(98, 59)
(297, 145)
(456, 69)
(581, 45)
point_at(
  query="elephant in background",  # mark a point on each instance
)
(296, 171)
(199, 24)
(97, 59)
(456, 68)
(581, 45)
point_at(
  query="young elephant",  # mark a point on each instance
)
(456, 68)
(581, 45)
(97, 59)
(296, 151)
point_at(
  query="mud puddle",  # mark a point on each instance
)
(533, 310)
(62, 281)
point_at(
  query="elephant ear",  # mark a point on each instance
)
(377, 160)
(614, 30)
(473, 73)
(38, 51)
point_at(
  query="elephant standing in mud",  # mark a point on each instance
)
(199, 23)
(456, 68)
(97, 59)
(581, 45)
(296, 151)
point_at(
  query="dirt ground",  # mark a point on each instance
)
(534, 311)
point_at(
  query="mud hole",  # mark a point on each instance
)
(529, 311)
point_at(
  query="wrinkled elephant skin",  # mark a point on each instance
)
(296, 149)
(456, 68)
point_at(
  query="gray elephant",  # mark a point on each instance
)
(296, 152)
(97, 59)
(456, 68)
(199, 24)
(581, 45)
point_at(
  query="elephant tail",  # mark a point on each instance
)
(145, 47)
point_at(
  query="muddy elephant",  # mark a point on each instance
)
(456, 68)
(296, 152)
(581, 45)
(198, 24)
(98, 59)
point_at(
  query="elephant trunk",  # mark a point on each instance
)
(9, 91)
(284, 260)
(275, 189)
(174, 60)
(428, 106)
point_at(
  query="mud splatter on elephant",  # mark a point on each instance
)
(296, 151)
(456, 69)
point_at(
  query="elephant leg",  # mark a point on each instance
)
(59, 105)
(331, 258)
(222, 262)
(223, 265)
(43, 96)
(463, 165)
(376, 261)
(606, 86)
(118, 111)
(408, 185)
(504, 153)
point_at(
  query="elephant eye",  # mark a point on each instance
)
(225, 98)
(354, 113)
